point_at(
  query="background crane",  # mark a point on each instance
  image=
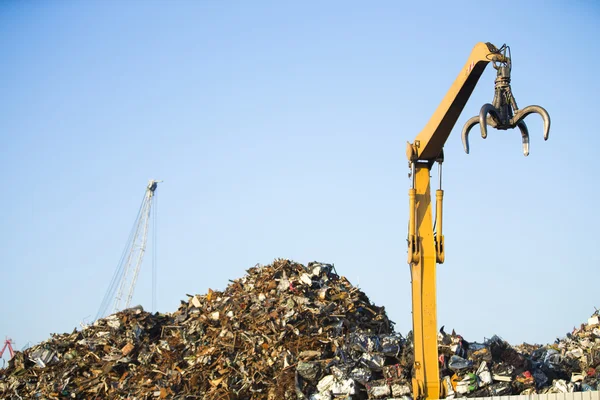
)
(8, 345)
(122, 285)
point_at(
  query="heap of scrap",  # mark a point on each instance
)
(284, 331)
(495, 368)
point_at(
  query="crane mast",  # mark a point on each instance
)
(122, 286)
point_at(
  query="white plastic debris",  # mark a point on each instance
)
(484, 375)
(373, 361)
(400, 389)
(560, 386)
(344, 387)
(306, 279)
(575, 353)
(320, 396)
(284, 284)
(196, 302)
(113, 321)
(462, 387)
(378, 389)
(325, 383)
(328, 385)
(576, 377)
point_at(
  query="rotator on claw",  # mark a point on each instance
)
(503, 112)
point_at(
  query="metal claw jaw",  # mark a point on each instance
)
(470, 124)
(525, 137)
(490, 121)
(522, 113)
(503, 113)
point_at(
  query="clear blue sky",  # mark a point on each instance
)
(279, 129)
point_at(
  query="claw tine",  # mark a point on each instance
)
(485, 109)
(536, 110)
(524, 136)
(465, 132)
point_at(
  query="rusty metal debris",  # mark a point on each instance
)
(283, 331)
(273, 334)
(495, 368)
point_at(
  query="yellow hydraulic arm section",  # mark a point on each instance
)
(426, 247)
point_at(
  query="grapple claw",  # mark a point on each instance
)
(470, 124)
(522, 113)
(525, 136)
(503, 113)
(465, 132)
(485, 110)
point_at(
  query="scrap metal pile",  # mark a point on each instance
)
(280, 331)
(283, 331)
(495, 368)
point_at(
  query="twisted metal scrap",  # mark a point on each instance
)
(504, 113)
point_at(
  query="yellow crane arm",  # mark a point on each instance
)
(429, 142)
(426, 249)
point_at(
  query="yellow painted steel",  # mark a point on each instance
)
(423, 272)
(430, 141)
(425, 250)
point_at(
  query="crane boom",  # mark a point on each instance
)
(426, 247)
(122, 286)
(430, 141)
(138, 248)
(8, 345)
